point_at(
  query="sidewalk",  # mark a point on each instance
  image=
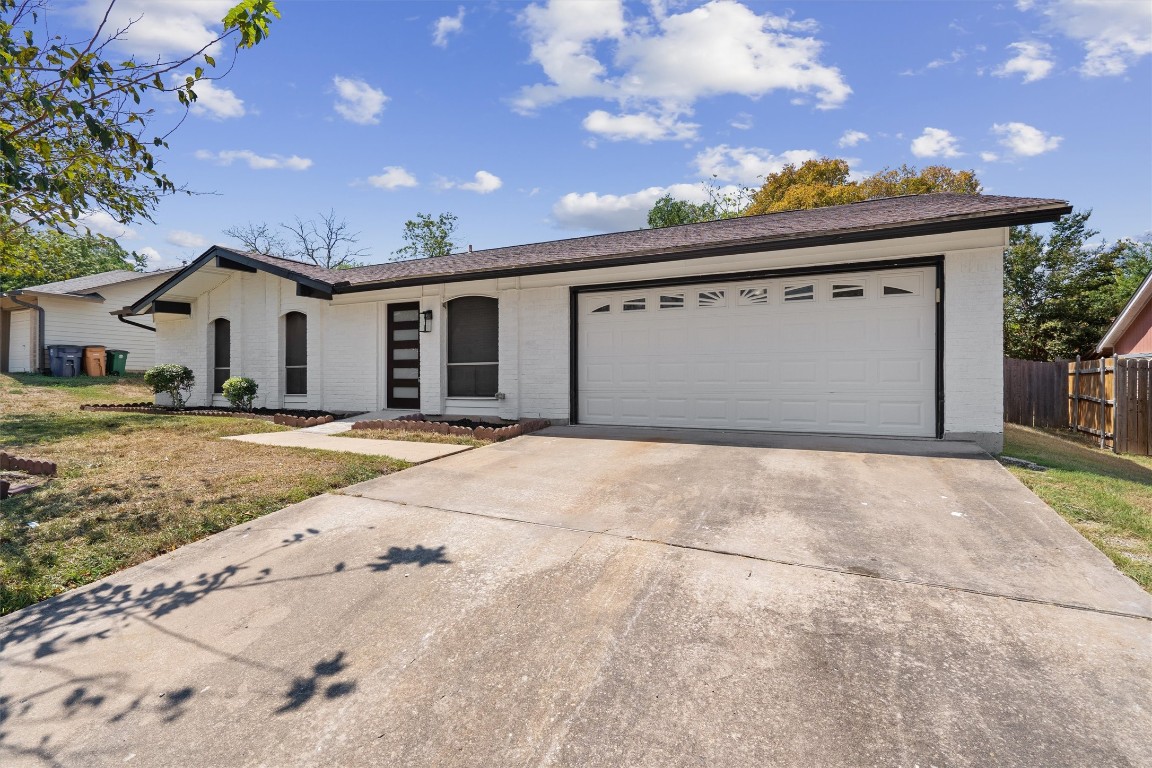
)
(311, 437)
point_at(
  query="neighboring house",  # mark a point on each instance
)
(1131, 333)
(879, 318)
(75, 312)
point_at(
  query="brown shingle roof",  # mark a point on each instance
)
(787, 226)
(856, 222)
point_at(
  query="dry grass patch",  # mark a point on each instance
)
(414, 437)
(132, 486)
(1107, 498)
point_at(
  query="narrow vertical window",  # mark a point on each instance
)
(221, 353)
(295, 353)
(473, 346)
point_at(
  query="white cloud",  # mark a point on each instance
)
(742, 122)
(852, 137)
(640, 127)
(161, 27)
(660, 65)
(989, 157)
(447, 25)
(1115, 33)
(213, 101)
(747, 165)
(102, 223)
(155, 260)
(1032, 59)
(393, 177)
(357, 101)
(615, 213)
(1024, 140)
(483, 183)
(935, 142)
(255, 162)
(185, 239)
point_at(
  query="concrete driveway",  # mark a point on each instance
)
(591, 597)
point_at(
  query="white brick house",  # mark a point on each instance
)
(881, 318)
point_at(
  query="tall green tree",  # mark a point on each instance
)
(1061, 291)
(427, 237)
(75, 133)
(34, 257)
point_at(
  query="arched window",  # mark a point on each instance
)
(221, 353)
(295, 353)
(473, 346)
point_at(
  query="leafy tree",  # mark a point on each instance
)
(670, 212)
(427, 237)
(33, 257)
(827, 181)
(326, 243)
(73, 131)
(1060, 292)
(721, 204)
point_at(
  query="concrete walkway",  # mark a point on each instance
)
(405, 450)
(345, 425)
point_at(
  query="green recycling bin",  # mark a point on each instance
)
(115, 360)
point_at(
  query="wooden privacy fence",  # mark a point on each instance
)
(1035, 393)
(1110, 399)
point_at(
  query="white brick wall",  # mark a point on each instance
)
(544, 353)
(973, 346)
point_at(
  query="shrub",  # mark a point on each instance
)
(172, 379)
(241, 392)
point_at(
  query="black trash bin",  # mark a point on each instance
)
(65, 360)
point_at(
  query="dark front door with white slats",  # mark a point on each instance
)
(404, 355)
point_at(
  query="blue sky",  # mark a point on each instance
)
(541, 121)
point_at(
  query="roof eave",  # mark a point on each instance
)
(1140, 298)
(1032, 215)
(238, 256)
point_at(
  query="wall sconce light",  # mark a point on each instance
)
(426, 321)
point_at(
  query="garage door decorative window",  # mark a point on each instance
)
(753, 296)
(711, 299)
(847, 291)
(473, 346)
(295, 353)
(672, 301)
(635, 305)
(221, 353)
(799, 292)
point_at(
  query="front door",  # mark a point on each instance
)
(404, 355)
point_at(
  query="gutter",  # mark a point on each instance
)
(40, 348)
(123, 319)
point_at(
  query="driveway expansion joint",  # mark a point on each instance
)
(777, 561)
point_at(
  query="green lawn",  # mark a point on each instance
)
(132, 486)
(1108, 498)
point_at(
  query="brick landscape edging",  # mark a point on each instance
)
(31, 466)
(285, 419)
(418, 423)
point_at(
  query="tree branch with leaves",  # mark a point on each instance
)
(75, 134)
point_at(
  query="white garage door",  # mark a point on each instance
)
(20, 341)
(847, 353)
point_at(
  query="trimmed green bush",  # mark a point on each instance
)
(172, 379)
(241, 392)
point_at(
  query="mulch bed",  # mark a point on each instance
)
(288, 418)
(478, 430)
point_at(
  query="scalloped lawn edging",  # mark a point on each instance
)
(419, 423)
(27, 466)
(284, 419)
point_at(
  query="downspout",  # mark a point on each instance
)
(123, 319)
(40, 348)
